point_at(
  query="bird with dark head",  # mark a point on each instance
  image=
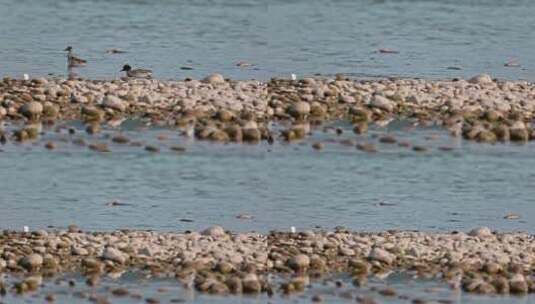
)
(136, 73)
(72, 60)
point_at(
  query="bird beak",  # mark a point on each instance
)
(122, 70)
(66, 49)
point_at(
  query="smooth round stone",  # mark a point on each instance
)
(383, 103)
(114, 102)
(114, 255)
(480, 79)
(31, 261)
(382, 255)
(31, 109)
(214, 231)
(214, 79)
(299, 262)
(481, 232)
(300, 109)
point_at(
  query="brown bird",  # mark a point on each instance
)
(72, 60)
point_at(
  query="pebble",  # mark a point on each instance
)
(113, 254)
(114, 102)
(214, 231)
(388, 139)
(32, 109)
(120, 139)
(317, 146)
(299, 262)
(383, 103)
(367, 147)
(31, 262)
(382, 255)
(99, 147)
(214, 79)
(481, 232)
(481, 79)
(50, 145)
(152, 148)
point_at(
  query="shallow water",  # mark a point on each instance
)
(141, 287)
(280, 186)
(278, 37)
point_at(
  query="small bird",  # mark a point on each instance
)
(137, 73)
(72, 60)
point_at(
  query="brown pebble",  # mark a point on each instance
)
(50, 298)
(79, 142)
(418, 301)
(317, 299)
(163, 137)
(50, 145)
(419, 148)
(120, 292)
(348, 142)
(152, 301)
(317, 146)
(365, 300)
(93, 280)
(446, 148)
(388, 292)
(93, 128)
(99, 147)
(367, 147)
(360, 128)
(151, 148)
(387, 139)
(120, 139)
(178, 148)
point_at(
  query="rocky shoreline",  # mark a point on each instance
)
(217, 109)
(216, 261)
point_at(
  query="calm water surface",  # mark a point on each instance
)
(280, 185)
(278, 37)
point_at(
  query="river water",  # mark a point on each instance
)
(282, 185)
(278, 37)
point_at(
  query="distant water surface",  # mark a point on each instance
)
(278, 37)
